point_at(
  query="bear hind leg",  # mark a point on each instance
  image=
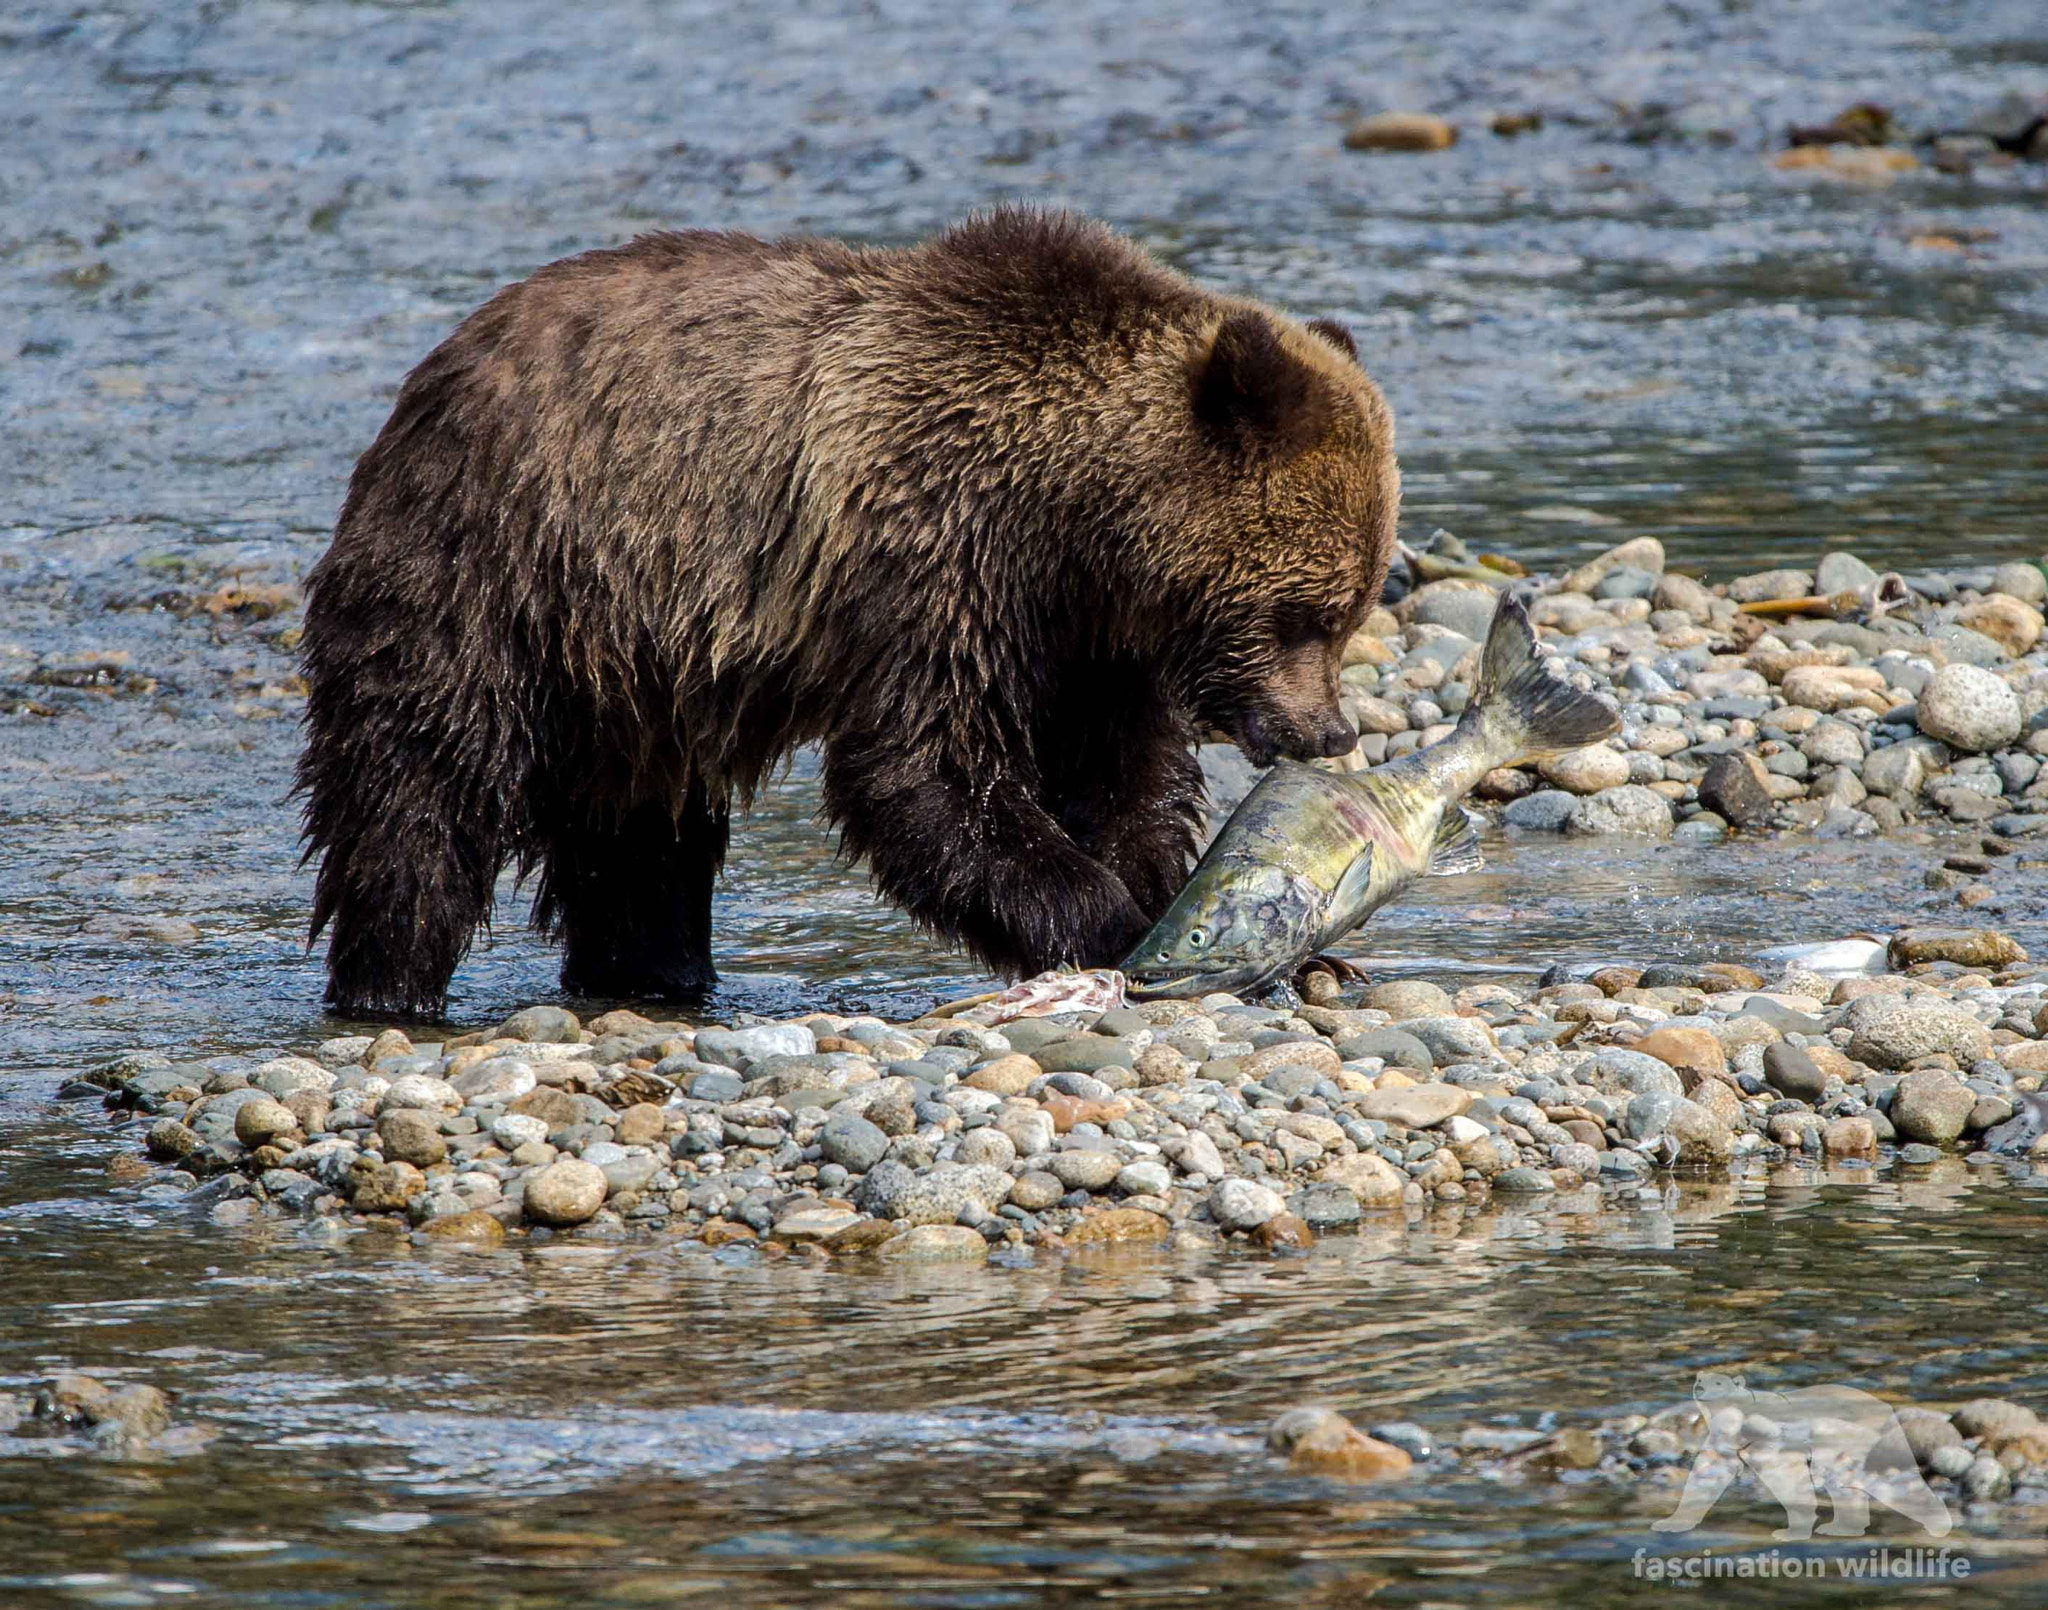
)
(630, 898)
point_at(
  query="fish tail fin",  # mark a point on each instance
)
(1456, 847)
(1523, 709)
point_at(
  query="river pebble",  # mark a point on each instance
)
(1404, 1096)
(1747, 702)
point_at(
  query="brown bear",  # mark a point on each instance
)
(1006, 522)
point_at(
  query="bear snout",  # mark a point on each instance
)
(1337, 736)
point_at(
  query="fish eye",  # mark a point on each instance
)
(1197, 938)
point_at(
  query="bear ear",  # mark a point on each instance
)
(1339, 337)
(1251, 391)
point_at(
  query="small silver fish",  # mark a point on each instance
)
(1310, 854)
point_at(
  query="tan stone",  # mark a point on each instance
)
(1067, 1111)
(641, 1124)
(1690, 1051)
(2012, 625)
(474, 1228)
(1852, 1136)
(1367, 1176)
(1006, 1076)
(1314, 1055)
(1419, 1108)
(1324, 1441)
(2025, 1056)
(1118, 1224)
(1400, 131)
(1282, 1231)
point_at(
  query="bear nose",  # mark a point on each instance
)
(1335, 737)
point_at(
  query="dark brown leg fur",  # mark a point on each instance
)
(972, 853)
(631, 899)
(409, 851)
(1127, 788)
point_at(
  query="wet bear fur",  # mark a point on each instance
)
(1005, 522)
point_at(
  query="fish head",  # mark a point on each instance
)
(1234, 931)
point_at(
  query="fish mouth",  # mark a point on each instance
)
(1189, 983)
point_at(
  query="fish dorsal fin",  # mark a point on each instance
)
(1456, 848)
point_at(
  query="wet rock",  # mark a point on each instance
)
(1322, 1440)
(1370, 1178)
(1452, 1039)
(1545, 812)
(742, 1048)
(1632, 809)
(541, 1025)
(1853, 1136)
(1968, 947)
(1112, 1225)
(497, 1081)
(814, 1224)
(1395, 1047)
(935, 1243)
(262, 1122)
(1970, 709)
(1238, 1204)
(385, 1188)
(1736, 788)
(568, 1191)
(852, 1141)
(1793, 1073)
(411, 1136)
(1585, 771)
(472, 1227)
(1895, 1034)
(1006, 1076)
(1403, 998)
(1930, 1106)
(1085, 1170)
(894, 1191)
(132, 1415)
(1417, 1107)
(1694, 1053)
(1400, 131)
(1284, 1232)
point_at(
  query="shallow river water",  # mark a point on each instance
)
(227, 229)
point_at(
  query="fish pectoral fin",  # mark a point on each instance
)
(1456, 848)
(1350, 900)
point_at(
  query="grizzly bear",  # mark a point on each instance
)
(1006, 522)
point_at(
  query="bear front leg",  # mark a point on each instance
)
(1134, 803)
(978, 858)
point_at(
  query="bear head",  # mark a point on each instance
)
(1713, 1388)
(1280, 532)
